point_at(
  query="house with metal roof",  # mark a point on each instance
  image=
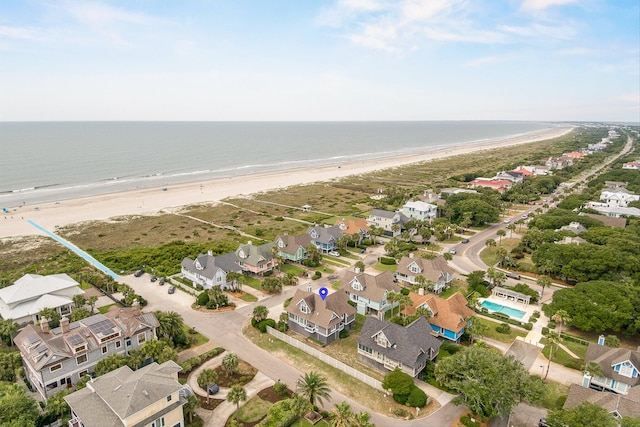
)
(386, 346)
(149, 396)
(209, 271)
(55, 359)
(22, 301)
(321, 319)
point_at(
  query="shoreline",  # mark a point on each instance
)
(154, 200)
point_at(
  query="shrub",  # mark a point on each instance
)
(503, 328)
(344, 333)
(262, 325)
(450, 347)
(551, 324)
(400, 398)
(417, 398)
(545, 330)
(401, 413)
(203, 299)
(404, 291)
(387, 261)
(466, 421)
(528, 326)
(281, 389)
(316, 275)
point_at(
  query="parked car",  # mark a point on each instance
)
(334, 253)
(161, 281)
(507, 221)
(154, 278)
(512, 275)
(453, 251)
(465, 240)
(213, 388)
(138, 273)
(171, 289)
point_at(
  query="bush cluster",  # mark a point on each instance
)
(262, 325)
(387, 261)
(192, 363)
(503, 328)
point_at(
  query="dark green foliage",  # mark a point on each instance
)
(316, 275)
(202, 299)
(398, 382)
(9, 363)
(262, 325)
(16, 407)
(586, 414)
(281, 389)
(344, 333)
(530, 190)
(485, 207)
(272, 285)
(528, 326)
(466, 421)
(450, 347)
(387, 261)
(417, 398)
(404, 291)
(525, 289)
(190, 364)
(556, 218)
(503, 328)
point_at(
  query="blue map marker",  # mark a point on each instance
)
(323, 292)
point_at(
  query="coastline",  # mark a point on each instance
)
(153, 200)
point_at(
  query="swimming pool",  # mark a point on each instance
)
(499, 308)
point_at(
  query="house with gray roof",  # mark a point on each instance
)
(325, 238)
(320, 319)
(22, 301)
(620, 368)
(255, 259)
(386, 346)
(420, 210)
(616, 404)
(56, 359)
(149, 396)
(293, 248)
(435, 271)
(390, 222)
(209, 271)
(369, 292)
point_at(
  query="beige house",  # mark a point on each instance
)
(148, 397)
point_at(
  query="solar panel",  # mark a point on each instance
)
(104, 327)
(75, 340)
(32, 338)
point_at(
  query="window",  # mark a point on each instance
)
(128, 342)
(55, 367)
(304, 308)
(142, 338)
(158, 423)
(626, 369)
(118, 344)
(81, 359)
(83, 373)
(63, 381)
(81, 348)
(169, 398)
(105, 349)
(414, 268)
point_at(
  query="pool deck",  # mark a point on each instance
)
(527, 308)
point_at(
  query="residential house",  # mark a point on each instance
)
(571, 241)
(391, 222)
(22, 301)
(354, 227)
(618, 197)
(420, 210)
(55, 359)
(620, 368)
(631, 165)
(209, 271)
(436, 271)
(576, 155)
(500, 185)
(608, 221)
(293, 248)
(450, 317)
(386, 345)
(456, 190)
(615, 212)
(325, 238)
(256, 259)
(617, 405)
(149, 396)
(528, 171)
(553, 163)
(370, 292)
(513, 176)
(322, 320)
(574, 227)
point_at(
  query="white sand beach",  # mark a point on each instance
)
(153, 200)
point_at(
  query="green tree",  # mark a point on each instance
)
(190, 406)
(561, 317)
(8, 329)
(52, 315)
(612, 341)
(57, 406)
(500, 233)
(79, 301)
(360, 265)
(206, 378)
(260, 313)
(110, 363)
(230, 363)
(236, 280)
(236, 395)
(79, 314)
(361, 419)
(478, 372)
(92, 303)
(398, 382)
(272, 285)
(171, 324)
(586, 414)
(16, 407)
(313, 387)
(553, 339)
(341, 415)
(9, 363)
(477, 329)
(135, 358)
(543, 281)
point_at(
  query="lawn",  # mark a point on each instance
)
(562, 357)
(254, 410)
(456, 286)
(489, 257)
(385, 267)
(491, 333)
(200, 339)
(304, 423)
(553, 396)
(247, 297)
(293, 269)
(253, 282)
(105, 308)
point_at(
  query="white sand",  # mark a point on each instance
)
(153, 200)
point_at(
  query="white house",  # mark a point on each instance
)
(420, 210)
(22, 301)
(390, 222)
(618, 198)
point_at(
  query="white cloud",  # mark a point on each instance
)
(536, 5)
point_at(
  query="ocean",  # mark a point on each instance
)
(48, 161)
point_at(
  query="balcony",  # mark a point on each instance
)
(75, 422)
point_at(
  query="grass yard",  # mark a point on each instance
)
(488, 255)
(105, 308)
(247, 297)
(200, 339)
(253, 410)
(562, 357)
(291, 268)
(304, 423)
(491, 333)
(456, 286)
(384, 267)
(253, 282)
(553, 396)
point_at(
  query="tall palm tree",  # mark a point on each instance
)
(361, 419)
(236, 280)
(230, 363)
(593, 368)
(554, 339)
(260, 313)
(190, 406)
(206, 378)
(170, 323)
(511, 227)
(489, 243)
(236, 395)
(299, 405)
(92, 302)
(341, 415)
(501, 233)
(543, 282)
(561, 317)
(314, 387)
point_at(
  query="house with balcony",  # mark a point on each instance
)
(436, 272)
(311, 316)
(369, 292)
(387, 346)
(56, 359)
(149, 396)
(620, 368)
(256, 259)
(22, 301)
(391, 223)
(449, 318)
(293, 248)
(209, 271)
(420, 210)
(354, 227)
(616, 404)
(325, 238)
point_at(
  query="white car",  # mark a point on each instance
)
(507, 221)
(334, 253)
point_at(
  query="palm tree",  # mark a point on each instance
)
(235, 279)
(561, 317)
(260, 313)
(361, 419)
(501, 233)
(79, 301)
(359, 265)
(236, 395)
(543, 282)
(593, 368)
(190, 406)
(341, 415)
(502, 254)
(477, 329)
(207, 377)
(92, 302)
(489, 243)
(230, 363)
(511, 227)
(135, 358)
(299, 405)
(554, 339)
(290, 279)
(8, 328)
(314, 387)
(170, 323)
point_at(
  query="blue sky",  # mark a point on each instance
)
(320, 60)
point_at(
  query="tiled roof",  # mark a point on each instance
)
(374, 287)
(353, 226)
(451, 313)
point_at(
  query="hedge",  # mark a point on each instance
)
(192, 363)
(387, 261)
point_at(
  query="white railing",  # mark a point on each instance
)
(326, 359)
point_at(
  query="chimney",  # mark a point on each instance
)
(357, 270)
(210, 252)
(136, 307)
(601, 340)
(64, 324)
(421, 291)
(411, 255)
(44, 324)
(249, 243)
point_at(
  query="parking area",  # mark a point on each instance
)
(157, 296)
